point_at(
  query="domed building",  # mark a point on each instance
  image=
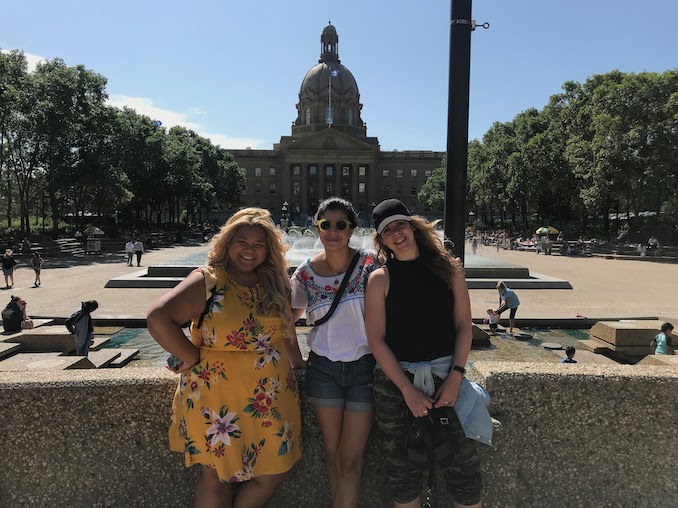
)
(329, 153)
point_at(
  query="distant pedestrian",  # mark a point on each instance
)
(661, 344)
(129, 250)
(8, 264)
(569, 352)
(81, 326)
(14, 318)
(36, 263)
(138, 250)
(508, 299)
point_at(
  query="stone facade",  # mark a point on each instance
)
(330, 154)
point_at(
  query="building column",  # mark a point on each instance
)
(304, 189)
(321, 181)
(354, 184)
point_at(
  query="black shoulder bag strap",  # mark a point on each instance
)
(340, 291)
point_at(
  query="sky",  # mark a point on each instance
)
(231, 69)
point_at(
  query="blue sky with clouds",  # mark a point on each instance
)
(231, 70)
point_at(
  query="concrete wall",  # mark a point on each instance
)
(572, 435)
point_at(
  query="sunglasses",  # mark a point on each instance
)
(325, 225)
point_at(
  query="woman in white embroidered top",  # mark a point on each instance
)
(340, 368)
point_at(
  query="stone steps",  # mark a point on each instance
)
(23, 362)
(126, 356)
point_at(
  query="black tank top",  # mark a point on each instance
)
(419, 312)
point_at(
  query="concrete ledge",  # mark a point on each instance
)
(571, 436)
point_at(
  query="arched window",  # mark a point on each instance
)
(307, 115)
(351, 116)
(329, 114)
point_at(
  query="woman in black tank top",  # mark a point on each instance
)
(417, 308)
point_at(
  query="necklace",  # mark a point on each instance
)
(335, 273)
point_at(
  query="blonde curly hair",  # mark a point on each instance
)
(275, 297)
(432, 250)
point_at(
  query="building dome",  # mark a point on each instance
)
(318, 108)
(317, 80)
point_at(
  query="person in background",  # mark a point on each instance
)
(81, 326)
(421, 362)
(340, 369)
(36, 263)
(14, 317)
(569, 352)
(236, 408)
(492, 319)
(129, 251)
(508, 299)
(8, 267)
(661, 344)
(138, 250)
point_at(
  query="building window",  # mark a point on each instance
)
(257, 171)
(413, 173)
(399, 173)
(312, 189)
(312, 170)
(307, 115)
(329, 189)
(361, 188)
(296, 188)
(346, 170)
(297, 207)
(271, 188)
(329, 170)
(296, 170)
(345, 189)
(361, 170)
(351, 115)
(384, 190)
(385, 172)
(271, 171)
(399, 188)
(413, 190)
(257, 187)
(427, 173)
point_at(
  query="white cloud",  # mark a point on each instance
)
(169, 118)
(32, 59)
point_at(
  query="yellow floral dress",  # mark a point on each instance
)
(237, 410)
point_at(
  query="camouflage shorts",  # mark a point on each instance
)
(462, 478)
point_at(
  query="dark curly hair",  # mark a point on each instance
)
(335, 203)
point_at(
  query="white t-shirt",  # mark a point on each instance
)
(342, 338)
(129, 247)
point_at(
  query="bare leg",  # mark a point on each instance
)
(354, 434)
(330, 420)
(210, 492)
(255, 493)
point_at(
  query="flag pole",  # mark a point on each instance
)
(329, 113)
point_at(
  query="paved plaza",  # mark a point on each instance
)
(602, 288)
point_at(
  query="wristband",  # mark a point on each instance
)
(459, 369)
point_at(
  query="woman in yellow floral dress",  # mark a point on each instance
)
(236, 409)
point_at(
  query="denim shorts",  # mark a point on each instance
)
(340, 384)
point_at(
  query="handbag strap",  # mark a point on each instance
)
(340, 291)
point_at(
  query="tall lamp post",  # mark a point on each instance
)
(372, 206)
(461, 27)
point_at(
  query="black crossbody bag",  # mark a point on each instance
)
(341, 290)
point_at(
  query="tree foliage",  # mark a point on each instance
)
(598, 151)
(61, 145)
